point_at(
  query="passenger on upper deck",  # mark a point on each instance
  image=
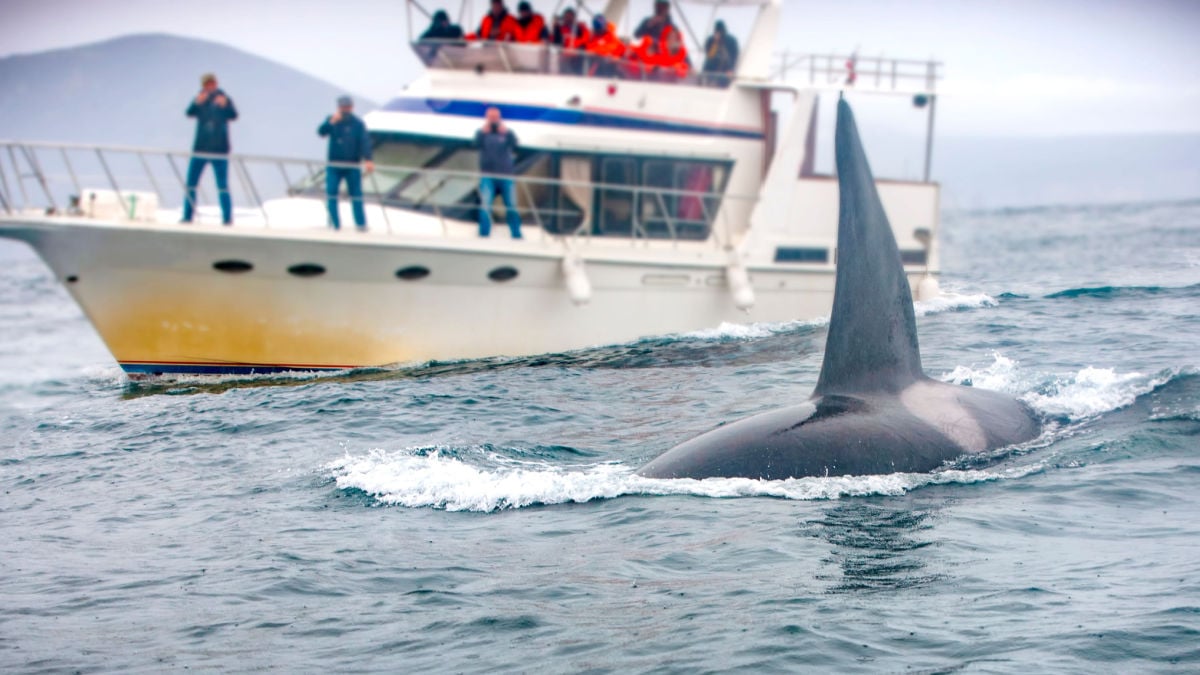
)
(440, 32)
(655, 23)
(660, 54)
(442, 29)
(497, 25)
(720, 55)
(568, 32)
(572, 37)
(604, 49)
(531, 26)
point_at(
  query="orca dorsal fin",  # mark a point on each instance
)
(872, 341)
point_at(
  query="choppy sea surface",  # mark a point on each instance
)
(484, 516)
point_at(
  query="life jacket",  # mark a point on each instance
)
(576, 37)
(654, 55)
(608, 45)
(531, 32)
(505, 30)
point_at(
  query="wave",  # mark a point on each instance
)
(949, 301)
(1083, 394)
(488, 478)
(421, 478)
(1107, 292)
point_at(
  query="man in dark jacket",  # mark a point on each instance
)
(720, 56)
(440, 32)
(349, 143)
(496, 143)
(213, 111)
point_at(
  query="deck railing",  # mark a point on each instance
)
(64, 179)
(547, 59)
(858, 72)
(849, 71)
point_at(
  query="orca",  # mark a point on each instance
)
(874, 411)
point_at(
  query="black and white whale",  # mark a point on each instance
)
(873, 411)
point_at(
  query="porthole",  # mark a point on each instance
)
(505, 273)
(412, 272)
(232, 266)
(306, 270)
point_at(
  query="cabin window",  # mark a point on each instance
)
(306, 270)
(412, 272)
(801, 254)
(505, 273)
(674, 214)
(615, 216)
(657, 204)
(232, 266)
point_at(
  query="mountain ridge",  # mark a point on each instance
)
(134, 89)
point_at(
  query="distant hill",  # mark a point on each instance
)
(133, 91)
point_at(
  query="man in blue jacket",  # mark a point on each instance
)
(213, 111)
(349, 143)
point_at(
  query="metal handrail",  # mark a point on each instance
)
(104, 157)
(854, 70)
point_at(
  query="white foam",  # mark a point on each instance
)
(739, 331)
(419, 479)
(1002, 374)
(1091, 392)
(949, 301)
(1077, 396)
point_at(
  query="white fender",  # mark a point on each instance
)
(578, 285)
(928, 288)
(739, 284)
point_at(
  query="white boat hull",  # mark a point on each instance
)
(156, 300)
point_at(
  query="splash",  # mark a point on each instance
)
(1002, 374)
(949, 301)
(742, 332)
(1092, 392)
(1078, 396)
(420, 478)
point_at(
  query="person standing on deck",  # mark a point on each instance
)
(349, 143)
(531, 26)
(213, 111)
(496, 143)
(497, 25)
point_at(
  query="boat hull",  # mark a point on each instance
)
(156, 298)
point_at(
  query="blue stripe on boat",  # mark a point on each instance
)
(215, 369)
(531, 113)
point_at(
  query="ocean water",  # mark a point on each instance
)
(484, 516)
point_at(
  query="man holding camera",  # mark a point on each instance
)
(349, 143)
(213, 111)
(496, 143)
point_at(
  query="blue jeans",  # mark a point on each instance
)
(353, 177)
(508, 192)
(221, 172)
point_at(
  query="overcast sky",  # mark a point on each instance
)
(1016, 67)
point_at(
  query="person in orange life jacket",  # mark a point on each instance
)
(531, 27)
(572, 37)
(496, 143)
(660, 58)
(348, 143)
(605, 48)
(498, 25)
(213, 111)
